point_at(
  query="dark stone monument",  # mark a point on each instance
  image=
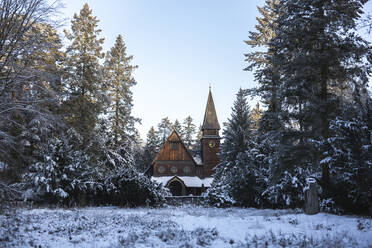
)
(311, 196)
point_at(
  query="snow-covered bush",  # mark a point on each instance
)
(349, 157)
(288, 191)
(64, 174)
(219, 195)
(328, 205)
(128, 187)
(250, 179)
(240, 185)
(122, 184)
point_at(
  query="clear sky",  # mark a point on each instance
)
(180, 46)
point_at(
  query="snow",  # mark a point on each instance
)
(208, 181)
(186, 226)
(3, 167)
(188, 181)
(161, 180)
(198, 160)
(326, 160)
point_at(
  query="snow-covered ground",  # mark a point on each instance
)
(187, 226)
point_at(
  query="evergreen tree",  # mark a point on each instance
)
(178, 128)
(152, 147)
(199, 136)
(150, 150)
(319, 52)
(138, 152)
(267, 74)
(152, 142)
(238, 130)
(236, 176)
(256, 117)
(164, 130)
(189, 130)
(83, 83)
(262, 37)
(349, 157)
(200, 133)
(118, 83)
(64, 172)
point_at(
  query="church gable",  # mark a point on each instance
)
(174, 159)
(174, 150)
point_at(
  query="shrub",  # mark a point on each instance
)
(127, 187)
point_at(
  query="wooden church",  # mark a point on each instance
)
(177, 169)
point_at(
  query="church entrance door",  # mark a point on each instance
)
(175, 188)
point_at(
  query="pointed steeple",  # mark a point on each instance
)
(210, 116)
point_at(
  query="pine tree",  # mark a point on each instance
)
(118, 83)
(164, 129)
(256, 117)
(152, 141)
(178, 128)
(238, 130)
(237, 174)
(64, 172)
(319, 52)
(262, 37)
(349, 155)
(138, 152)
(151, 148)
(267, 73)
(83, 84)
(189, 130)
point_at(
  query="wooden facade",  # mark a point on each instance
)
(174, 159)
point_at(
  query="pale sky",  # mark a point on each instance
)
(180, 46)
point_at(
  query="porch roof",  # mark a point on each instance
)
(195, 182)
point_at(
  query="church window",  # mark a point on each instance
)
(174, 145)
(174, 169)
(161, 169)
(186, 170)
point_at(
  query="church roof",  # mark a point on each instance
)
(165, 154)
(210, 116)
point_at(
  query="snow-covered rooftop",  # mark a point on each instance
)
(198, 160)
(196, 182)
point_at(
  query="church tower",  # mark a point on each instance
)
(210, 141)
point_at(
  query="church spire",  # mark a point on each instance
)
(210, 116)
